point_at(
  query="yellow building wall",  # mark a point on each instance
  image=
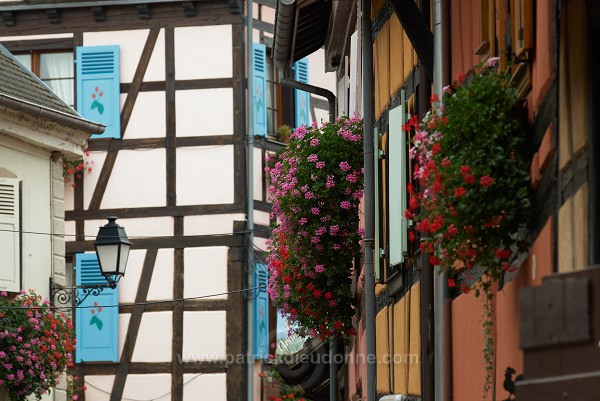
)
(394, 60)
(398, 329)
(573, 132)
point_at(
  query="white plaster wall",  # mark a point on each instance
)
(148, 118)
(31, 165)
(205, 272)
(205, 175)
(201, 112)
(138, 179)
(318, 77)
(153, 387)
(131, 44)
(203, 52)
(161, 287)
(211, 224)
(96, 160)
(260, 243)
(128, 285)
(124, 319)
(205, 387)
(154, 340)
(261, 218)
(99, 387)
(258, 175)
(142, 227)
(204, 336)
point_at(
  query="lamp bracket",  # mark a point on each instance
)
(64, 298)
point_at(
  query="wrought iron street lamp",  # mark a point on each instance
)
(112, 248)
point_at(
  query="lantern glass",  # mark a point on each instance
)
(108, 256)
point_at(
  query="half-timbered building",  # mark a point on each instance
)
(168, 79)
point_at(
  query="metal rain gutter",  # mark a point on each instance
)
(51, 115)
(285, 25)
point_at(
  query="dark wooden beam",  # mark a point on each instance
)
(28, 20)
(235, 323)
(123, 368)
(177, 316)
(239, 114)
(195, 305)
(154, 367)
(208, 83)
(417, 29)
(17, 46)
(159, 211)
(171, 169)
(189, 241)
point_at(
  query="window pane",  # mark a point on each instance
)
(24, 59)
(56, 70)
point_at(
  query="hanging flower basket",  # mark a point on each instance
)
(35, 346)
(317, 185)
(470, 200)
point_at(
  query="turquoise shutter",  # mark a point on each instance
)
(261, 312)
(398, 225)
(98, 87)
(97, 324)
(302, 98)
(260, 89)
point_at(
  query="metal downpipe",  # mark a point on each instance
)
(441, 310)
(369, 199)
(250, 200)
(315, 90)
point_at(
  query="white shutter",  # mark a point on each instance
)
(10, 258)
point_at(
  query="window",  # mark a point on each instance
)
(55, 69)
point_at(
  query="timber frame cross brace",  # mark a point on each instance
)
(417, 29)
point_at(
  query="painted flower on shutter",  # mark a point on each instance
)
(95, 320)
(96, 104)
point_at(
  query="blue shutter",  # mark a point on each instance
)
(98, 87)
(261, 312)
(97, 324)
(260, 89)
(302, 98)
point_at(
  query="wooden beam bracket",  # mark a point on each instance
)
(98, 13)
(53, 16)
(143, 11)
(189, 9)
(9, 18)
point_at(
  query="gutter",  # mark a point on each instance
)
(285, 27)
(45, 113)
